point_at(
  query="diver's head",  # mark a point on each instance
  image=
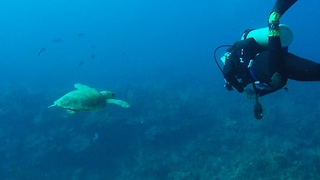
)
(107, 94)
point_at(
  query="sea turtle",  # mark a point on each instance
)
(85, 98)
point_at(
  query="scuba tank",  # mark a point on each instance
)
(261, 35)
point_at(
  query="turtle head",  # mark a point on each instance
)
(107, 94)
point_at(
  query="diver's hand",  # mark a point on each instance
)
(249, 93)
(277, 81)
(228, 86)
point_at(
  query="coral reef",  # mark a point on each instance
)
(166, 134)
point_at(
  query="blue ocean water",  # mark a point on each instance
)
(158, 56)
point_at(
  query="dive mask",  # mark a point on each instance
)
(225, 57)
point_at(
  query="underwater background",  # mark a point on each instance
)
(158, 56)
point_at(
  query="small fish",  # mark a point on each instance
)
(123, 54)
(81, 35)
(95, 137)
(55, 41)
(93, 47)
(80, 63)
(41, 50)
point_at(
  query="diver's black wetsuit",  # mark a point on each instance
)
(265, 62)
(301, 69)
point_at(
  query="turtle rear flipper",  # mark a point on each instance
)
(118, 102)
(53, 105)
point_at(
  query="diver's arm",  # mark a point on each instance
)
(230, 76)
(275, 53)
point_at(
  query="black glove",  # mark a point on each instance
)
(228, 86)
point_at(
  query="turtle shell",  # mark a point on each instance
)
(83, 98)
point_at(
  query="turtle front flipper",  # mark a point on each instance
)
(118, 102)
(70, 111)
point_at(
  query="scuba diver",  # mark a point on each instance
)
(264, 61)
